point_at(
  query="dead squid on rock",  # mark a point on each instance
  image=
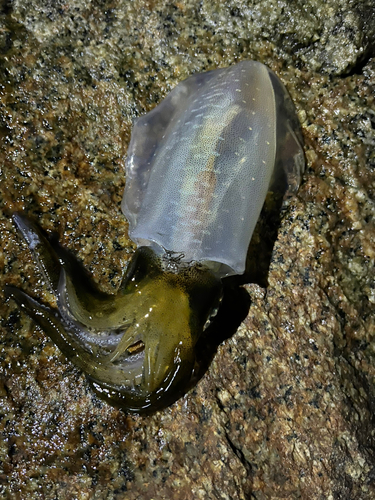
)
(198, 169)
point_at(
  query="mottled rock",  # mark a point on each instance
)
(285, 408)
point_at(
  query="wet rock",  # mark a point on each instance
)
(285, 408)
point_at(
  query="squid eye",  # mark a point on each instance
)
(136, 348)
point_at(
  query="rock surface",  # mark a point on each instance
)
(285, 409)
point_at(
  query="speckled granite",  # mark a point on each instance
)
(285, 409)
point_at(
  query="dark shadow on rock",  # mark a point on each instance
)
(233, 310)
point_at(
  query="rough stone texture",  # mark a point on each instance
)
(285, 409)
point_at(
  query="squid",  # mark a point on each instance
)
(198, 169)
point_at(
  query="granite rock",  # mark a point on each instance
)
(285, 408)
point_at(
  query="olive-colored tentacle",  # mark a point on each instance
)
(137, 347)
(88, 357)
(44, 255)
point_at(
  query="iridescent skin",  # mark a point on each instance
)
(137, 347)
